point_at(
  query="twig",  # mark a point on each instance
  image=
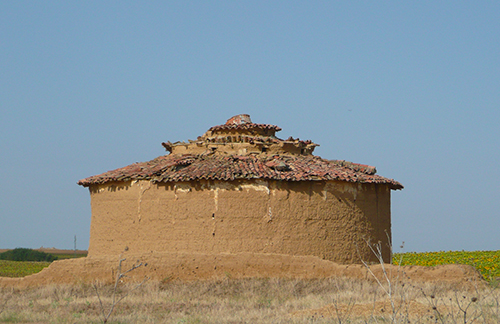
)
(388, 276)
(100, 302)
(434, 304)
(342, 318)
(7, 298)
(114, 301)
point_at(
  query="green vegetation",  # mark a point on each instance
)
(22, 262)
(20, 268)
(22, 254)
(69, 256)
(487, 262)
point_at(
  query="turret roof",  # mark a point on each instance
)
(241, 149)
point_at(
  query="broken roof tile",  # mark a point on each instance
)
(299, 168)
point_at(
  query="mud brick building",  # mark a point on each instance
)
(239, 188)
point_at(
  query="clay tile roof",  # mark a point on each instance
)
(244, 126)
(213, 165)
(242, 121)
(171, 168)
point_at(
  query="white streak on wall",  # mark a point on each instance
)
(141, 193)
(216, 187)
(259, 185)
(216, 198)
(352, 188)
(181, 188)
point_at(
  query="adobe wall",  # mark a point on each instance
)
(324, 219)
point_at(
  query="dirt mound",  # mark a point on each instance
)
(192, 266)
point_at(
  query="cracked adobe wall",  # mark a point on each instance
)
(328, 219)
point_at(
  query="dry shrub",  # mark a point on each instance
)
(333, 300)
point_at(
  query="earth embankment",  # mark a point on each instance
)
(190, 266)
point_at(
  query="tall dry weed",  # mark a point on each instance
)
(116, 296)
(406, 301)
(333, 300)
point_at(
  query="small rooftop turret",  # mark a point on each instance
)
(239, 135)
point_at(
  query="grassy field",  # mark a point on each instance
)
(63, 256)
(20, 268)
(15, 269)
(334, 300)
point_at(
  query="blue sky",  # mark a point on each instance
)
(409, 87)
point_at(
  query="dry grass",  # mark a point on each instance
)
(335, 300)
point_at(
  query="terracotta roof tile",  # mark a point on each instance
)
(244, 126)
(171, 168)
(214, 156)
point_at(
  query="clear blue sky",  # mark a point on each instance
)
(409, 87)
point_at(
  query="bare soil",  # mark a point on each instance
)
(193, 266)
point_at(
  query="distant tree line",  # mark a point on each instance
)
(22, 254)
